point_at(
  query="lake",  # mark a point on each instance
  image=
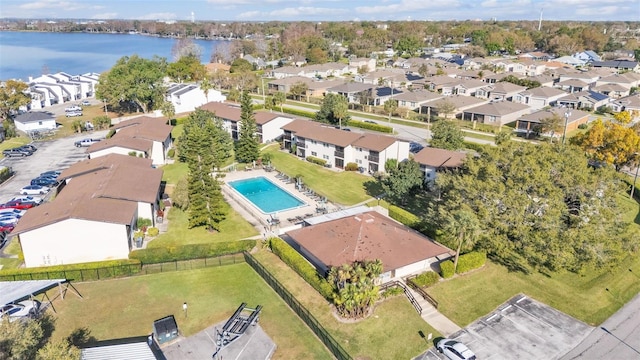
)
(24, 54)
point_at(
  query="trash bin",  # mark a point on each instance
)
(139, 242)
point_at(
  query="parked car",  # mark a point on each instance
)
(73, 108)
(34, 199)
(85, 103)
(370, 122)
(12, 211)
(73, 113)
(28, 147)
(8, 221)
(3, 239)
(20, 205)
(34, 190)
(6, 228)
(415, 147)
(21, 310)
(455, 350)
(51, 172)
(85, 142)
(16, 152)
(49, 176)
(43, 181)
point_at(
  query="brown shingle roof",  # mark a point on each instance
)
(374, 142)
(145, 127)
(103, 162)
(122, 141)
(366, 236)
(440, 158)
(232, 112)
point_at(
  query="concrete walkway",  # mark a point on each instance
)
(433, 317)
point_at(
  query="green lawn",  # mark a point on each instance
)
(127, 307)
(12, 248)
(13, 142)
(171, 173)
(345, 187)
(391, 332)
(234, 227)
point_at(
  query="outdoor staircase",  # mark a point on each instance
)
(432, 316)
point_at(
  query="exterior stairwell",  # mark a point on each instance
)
(431, 315)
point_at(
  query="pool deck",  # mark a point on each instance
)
(263, 222)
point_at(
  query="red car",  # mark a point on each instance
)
(7, 228)
(16, 204)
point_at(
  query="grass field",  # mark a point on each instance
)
(234, 227)
(127, 307)
(346, 187)
(391, 332)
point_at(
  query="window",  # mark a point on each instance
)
(313, 153)
(325, 145)
(358, 161)
(39, 122)
(326, 157)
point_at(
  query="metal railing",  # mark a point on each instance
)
(336, 349)
(421, 291)
(407, 293)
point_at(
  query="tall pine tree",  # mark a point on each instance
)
(199, 146)
(247, 147)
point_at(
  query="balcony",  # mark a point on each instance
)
(339, 154)
(301, 144)
(374, 158)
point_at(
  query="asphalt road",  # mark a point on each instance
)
(617, 338)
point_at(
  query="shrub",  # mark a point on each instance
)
(79, 272)
(315, 160)
(171, 153)
(404, 217)
(351, 167)
(153, 231)
(302, 113)
(426, 279)
(301, 266)
(5, 173)
(446, 268)
(583, 126)
(392, 291)
(110, 133)
(192, 251)
(471, 261)
(371, 126)
(474, 146)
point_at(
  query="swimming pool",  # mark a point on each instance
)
(265, 195)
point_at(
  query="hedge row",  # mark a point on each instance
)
(315, 160)
(5, 173)
(471, 261)
(474, 146)
(404, 217)
(85, 271)
(371, 126)
(426, 279)
(192, 251)
(303, 113)
(446, 268)
(301, 266)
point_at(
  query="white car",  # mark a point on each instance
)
(73, 113)
(34, 199)
(23, 309)
(11, 211)
(73, 108)
(455, 350)
(34, 190)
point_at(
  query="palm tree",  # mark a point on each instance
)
(462, 226)
(205, 86)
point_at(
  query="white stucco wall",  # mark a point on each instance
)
(74, 241)
(157, 153)
(414, 268)
(273, 129)
(145, 211)
(49, 124)
(113, 150)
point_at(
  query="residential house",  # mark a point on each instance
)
(94, 215)
(123, 145)
(338, 147)
(284, 71)
(433, 160)
(539, 97)
(626, 80)
(544, 80)
(587, 56)
(530, 123)
(284, 84)
(500, 91)
(570, 60)
(215, 67)
(257, 63)
(535, 55)
(620, 65)
(459, 103)
(323, 71)
(155, 130)
(468, 87)
(533, 68)
(630, 104)
(366, 64)
(414, 100)
(187, 97)
(443, 84)
(368, 236)
(495, 78)
(589, 100)
(269, 124)
(496, 113)
(350, 90)
(35, 121)
(572, 85)
(613, 91)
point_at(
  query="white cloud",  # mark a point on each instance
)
(408, 6)
(158, 16)
(110, 15)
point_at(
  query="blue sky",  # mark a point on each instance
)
(323, 10)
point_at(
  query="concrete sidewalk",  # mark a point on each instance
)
(433, 317)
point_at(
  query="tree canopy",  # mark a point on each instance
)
(402, 181)
(247, 146)
(446, 135)
(187, 69)
(610, 142)
(355, 289)
(12, 97)
(537, 207)
(134, 80)
(331, 110)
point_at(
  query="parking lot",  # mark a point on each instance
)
(51, 155)
(521, 328)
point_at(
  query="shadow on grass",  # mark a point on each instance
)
(373, 188)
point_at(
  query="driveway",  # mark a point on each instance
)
(521, 328)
